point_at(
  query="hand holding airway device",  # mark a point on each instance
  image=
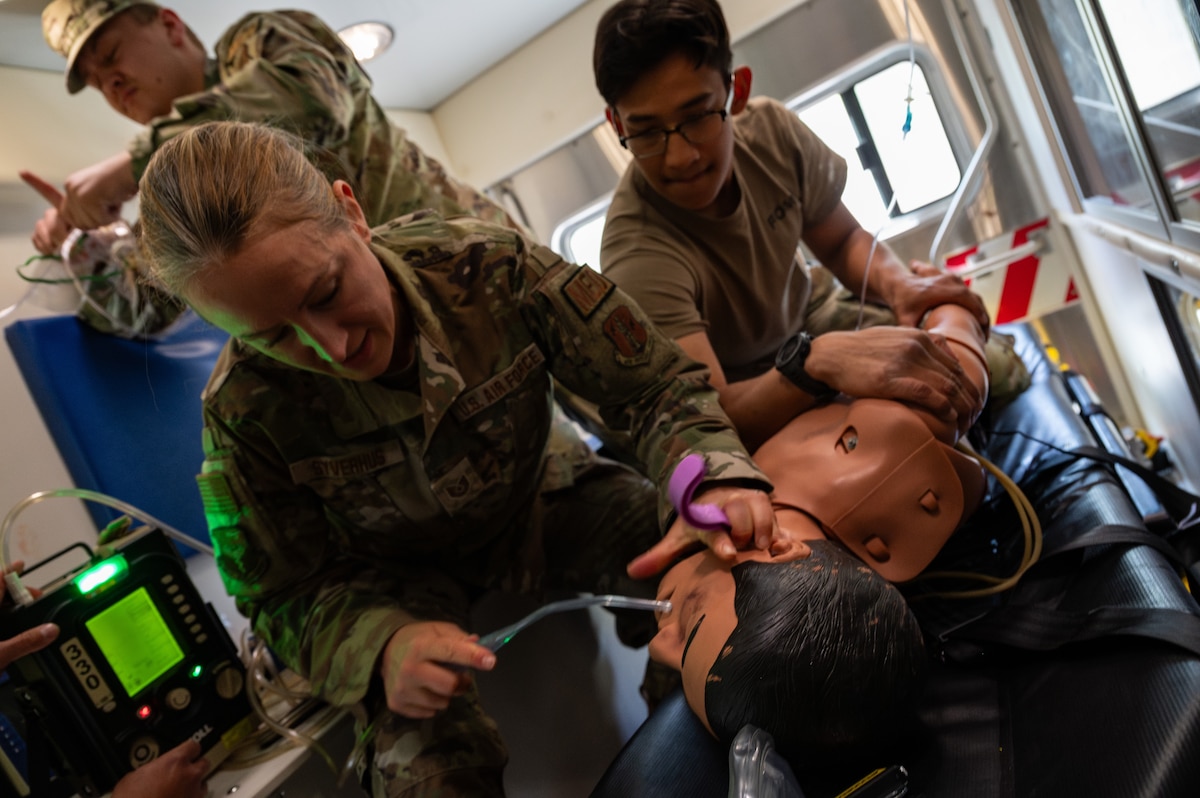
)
(683, 483)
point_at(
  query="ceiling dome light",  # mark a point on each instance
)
(367, 39)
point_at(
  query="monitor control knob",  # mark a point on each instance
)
(229, 682)
(143, 750)
(179, 698)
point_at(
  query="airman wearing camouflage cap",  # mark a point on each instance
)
(68, 24)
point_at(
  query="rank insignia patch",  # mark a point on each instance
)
(586, 290)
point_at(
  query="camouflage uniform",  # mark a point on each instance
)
(289, 70)
(342, 510)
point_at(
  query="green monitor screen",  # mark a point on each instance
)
(135, 641)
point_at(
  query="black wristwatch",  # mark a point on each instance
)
(790, 363)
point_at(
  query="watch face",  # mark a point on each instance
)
(789, 349)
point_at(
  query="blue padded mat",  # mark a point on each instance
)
(124, 414)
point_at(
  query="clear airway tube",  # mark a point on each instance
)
(40, 284)
(13, 307)
(494, 640)
(99, 498)
(862, 299)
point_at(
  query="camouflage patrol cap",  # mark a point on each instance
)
(68, 24)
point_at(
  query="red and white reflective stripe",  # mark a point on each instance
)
(1019, 288)
(1185, 179)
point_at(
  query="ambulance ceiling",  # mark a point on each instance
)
(440, 46)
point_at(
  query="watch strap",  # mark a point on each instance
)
(790, 362)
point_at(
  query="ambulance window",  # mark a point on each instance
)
(578, 238)
(866, 124)
(1158, 45)
(1154, 44)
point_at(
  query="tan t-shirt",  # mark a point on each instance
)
(737, 278)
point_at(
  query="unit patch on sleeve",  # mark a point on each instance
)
(586, 290)
(629, 337)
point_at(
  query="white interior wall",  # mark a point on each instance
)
(543, 95)
(423, 130)
(51, 134)
(29, 460)
(1100, 264)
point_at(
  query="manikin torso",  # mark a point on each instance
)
(871, 474)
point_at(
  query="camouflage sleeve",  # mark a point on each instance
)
(327, 616)
(602, 346)
(286, 69)
(467, 199)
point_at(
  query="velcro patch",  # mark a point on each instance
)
(220, 508)
(586, 290)
(347, 465)
(500, 385)
(629, 337)
(456, 488)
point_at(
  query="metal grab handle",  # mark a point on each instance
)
(494, 640)
(986, 265)
(975, 167)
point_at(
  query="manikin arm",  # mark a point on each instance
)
(959, 331)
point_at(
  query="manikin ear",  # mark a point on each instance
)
(610, 114)
(741, 89)
(354, 212)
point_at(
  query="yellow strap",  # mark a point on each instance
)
(1031, 528)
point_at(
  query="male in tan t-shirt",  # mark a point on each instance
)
(704, 227)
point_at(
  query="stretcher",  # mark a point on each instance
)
(1054, 706)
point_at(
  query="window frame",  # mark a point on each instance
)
(952, 122)
(1157, 220)
(560, 238)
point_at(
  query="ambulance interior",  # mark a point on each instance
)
(1053, 159)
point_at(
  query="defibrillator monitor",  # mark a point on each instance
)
(141, 664)
(135, 641)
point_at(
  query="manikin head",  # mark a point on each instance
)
(813, 647)
(238, 222)
(140, 56)
(662, 64)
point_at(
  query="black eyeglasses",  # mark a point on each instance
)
(695, 130)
